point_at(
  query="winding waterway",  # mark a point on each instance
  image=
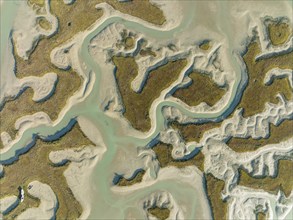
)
(103, 198)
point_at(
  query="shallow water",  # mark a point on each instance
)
(8, 11)
(102, 198)
(101, 179)
(91, 102)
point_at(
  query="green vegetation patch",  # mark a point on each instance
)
(261, 216)
(205, 45)
(164, 156)
(160, 213)
(128, 182)
(202, 89)
(40, 3)
(147, 52)
(137, 105)
(140, 8)
(68, 83)
(214, 186)
(194, 132)
(277, 134)
(257, 93)
(214, 189)
(279, 32)
(129, 43)
(71, 19)
(70, 23)
(35, 165)
(46, 25)
(283, 181)
(127, 40)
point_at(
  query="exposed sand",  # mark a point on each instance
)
(7, 204)
(78, 172)
(48, 205)
(1, 170)
(44, 85)
(68, 2)
(22, 124)
(162, 200)
(82, 164)
(110, 96)
(190, 176)
(245, 202)
(12, 87)
(268, 49)
(27, 34)
(220, 160)
(277, 74)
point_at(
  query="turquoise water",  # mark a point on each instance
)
(7, 14)
(101, 178)
(91, 104)
(102, 197)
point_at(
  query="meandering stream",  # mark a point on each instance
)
(103, 198)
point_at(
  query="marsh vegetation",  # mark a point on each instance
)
(137, 178)
(160, 213)
(35, 165)
(164, 156)
(202, 89)
(39, 63)
(214, 189)
(205, 45)
(279, 32)
(257, 93)
(283, 181)
(137, 105)
(278, 134)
